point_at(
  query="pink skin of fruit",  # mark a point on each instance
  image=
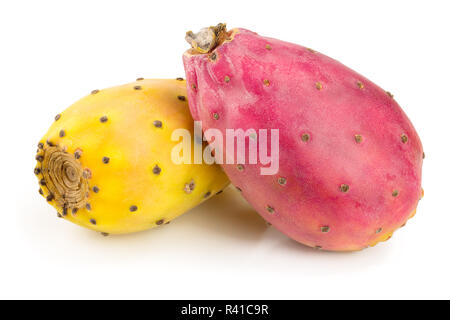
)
(350, 159)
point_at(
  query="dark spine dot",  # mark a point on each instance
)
(64, 212)
(219, 192)
(88, 206)
(282, 181)
(180, 79)
(37, 171)
(103, 119)
(181, 98)
(105, 160)
(74, 211)
(133, 208)
(95, 189)
(58, 215)
(42, 182)
(57, 117)
(404, 138)
(213, 56)
(379, 230)
(104, 234)
(207, 194)
(50, 197)
(40, 145)
(324, 229)
(157, 124)
(93, 221)
(41, 192)
(305, 137)
(160, 222)
(156, 170)
(87, 174)
(62, 133)
(389, 94)
(238, 189)
(95, 91)
(270, 209)
(139, 79)
(39, 158)
(423, 155)
(137, 87)
(50, 144)
(78, 154)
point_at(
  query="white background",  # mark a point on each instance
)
(54, 52)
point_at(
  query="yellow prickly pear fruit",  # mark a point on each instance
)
(105, 163)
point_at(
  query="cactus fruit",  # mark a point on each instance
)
(350, 161)
(105, 163)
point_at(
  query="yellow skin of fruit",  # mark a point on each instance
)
(134, 145)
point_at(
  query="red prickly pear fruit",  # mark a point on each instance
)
(350, 160)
